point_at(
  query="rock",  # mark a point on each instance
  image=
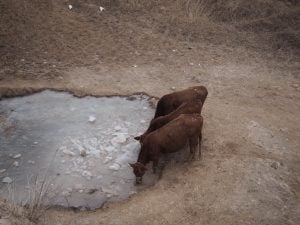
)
(17, 156)
(135, 66)
(2, 170)
(101, 8)
(142, 121)
(145, 108)
(191, 64)
(275, 165)
(295, 85)
(92, 119)
(7, 180)
(70, 7)
(16, 163)
(83, 153)
(31, 162)
(115, 167)
(35, 143)
(173, 88)
(80, 191)
(92, 191)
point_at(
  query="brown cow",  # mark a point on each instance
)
(172, 101)
(190, 107)
(172, 137)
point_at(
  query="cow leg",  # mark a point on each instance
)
(199, 146)
(155, 165)
(193, 144)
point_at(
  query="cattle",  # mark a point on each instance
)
(190, 107)
(172, 101)
(186, 128)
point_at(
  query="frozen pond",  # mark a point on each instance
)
(79, 148)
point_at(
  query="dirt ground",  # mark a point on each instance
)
(250, 171)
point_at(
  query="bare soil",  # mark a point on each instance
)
(250, 171)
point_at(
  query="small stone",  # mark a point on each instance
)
(35, 143)
(173, 88)
(92, 191)
(101, 8)
(17, 156)
(80, 191)
(275, 165)
(191, 64)
(83, 153)
(7, 180)
(295, 85)
(135, 66)
(92, 119)
(31, 162)
(143, 121)
(2, 170)
(16, 163)
(145, 108)
(70, 7)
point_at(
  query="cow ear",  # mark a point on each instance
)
(132, 164)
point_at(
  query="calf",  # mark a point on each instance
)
(190, 107)
(170, 102)
(186, 128)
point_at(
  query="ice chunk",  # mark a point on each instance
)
(107, 159)
(115, 167)
(120, 138)
(86, 173)
(17, 156)
(68, 152)
(117, 128)
(92, 119)
(7, 180)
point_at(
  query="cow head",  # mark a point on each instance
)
(139, 170)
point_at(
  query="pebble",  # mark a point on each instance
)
(16, 163)
(117, 128)
(83, 153)
(7, 180)
(70, 7)
(275, 165)
(143, 121)
(173, 88)
(2, 170)
(31, 162)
